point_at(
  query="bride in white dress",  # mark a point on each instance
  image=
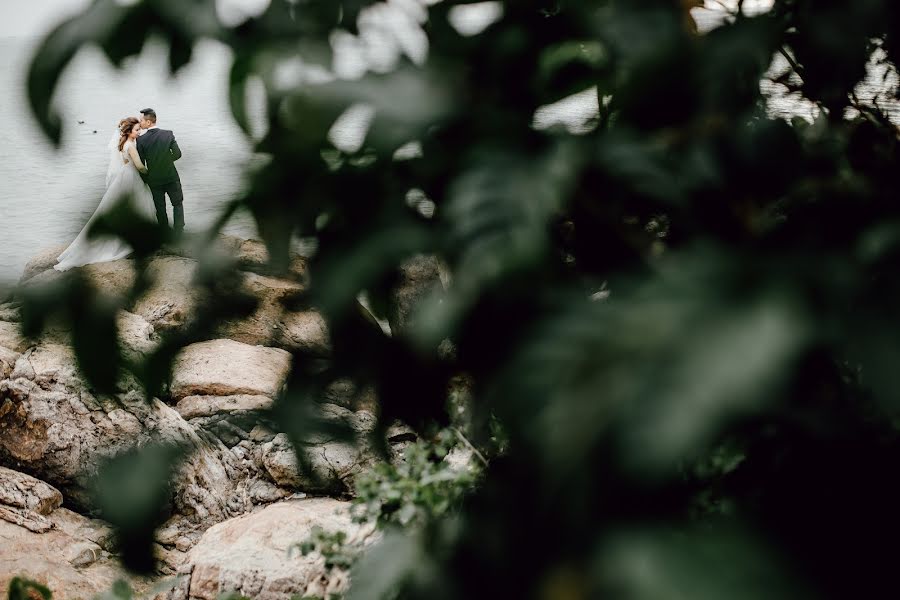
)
(123, 179)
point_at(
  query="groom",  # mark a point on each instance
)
(159, 151)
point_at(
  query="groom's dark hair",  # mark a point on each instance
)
(149, 114)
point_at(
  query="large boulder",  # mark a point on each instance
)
(42, 261)
(305, 332)
(252, 554)
(252, 255)
(332, 464)
(63, 550)
(227, 368)
(171, 300)
(263, 324)
(232, 419)
(136, 337)
(25, 501)
(71, 557)
(192, 407)
(23, 491)
(53, 427)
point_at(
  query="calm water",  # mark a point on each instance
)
(47, 195)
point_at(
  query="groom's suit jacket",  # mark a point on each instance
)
(159, 151)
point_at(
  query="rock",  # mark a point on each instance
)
(304, 332)
(22, 369)
(23, 491)
(11, 337)
(135, 335)
(8, 360)
(250, 555)
(168, 560)
(50, 364)
(184, 544)
(44, 278)
(27, 519)
(167, 534)
(420, 277)
(344, 393)
(114, 278)
(84, 554)
(84, 528)
(192, 407)
(332, 464)
(262, 326)
(9, 312)
(252, 255)
(59, 432)
(42, 261)
(135, 338)
(229, 368)
(461, 459)
(399, 432)
(261, 433)
(264, 492)
(171, 299)
(61, 558)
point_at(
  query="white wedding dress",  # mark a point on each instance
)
(122, 179)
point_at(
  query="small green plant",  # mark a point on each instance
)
(421, 487)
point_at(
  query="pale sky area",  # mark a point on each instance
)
(28, 18)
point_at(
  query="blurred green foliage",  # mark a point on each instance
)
(684, 318)
(23, 589)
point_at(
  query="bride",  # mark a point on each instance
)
(123, 180)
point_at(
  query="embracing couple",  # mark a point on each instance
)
(142, 169)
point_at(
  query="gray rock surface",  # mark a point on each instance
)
(332, 464)
(191, 407)
(229, 368)
(170, 301)
(42, 261)
(64, 557)
(250, 555)
(23, 491)
(52, 427)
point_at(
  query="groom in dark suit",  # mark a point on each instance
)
(159, 151)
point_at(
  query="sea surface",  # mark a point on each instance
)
(47, 194)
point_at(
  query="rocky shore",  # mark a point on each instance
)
(238, 501)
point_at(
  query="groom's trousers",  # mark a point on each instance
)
(173, 190)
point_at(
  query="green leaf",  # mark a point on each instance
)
(96, 344)
(133, 493)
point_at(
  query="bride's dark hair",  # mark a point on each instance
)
(125, 127)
